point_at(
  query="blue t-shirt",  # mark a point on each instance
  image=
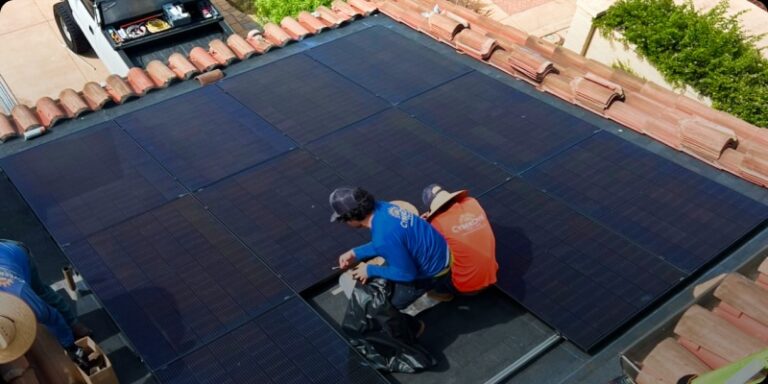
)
(15, 276)
(412, 248)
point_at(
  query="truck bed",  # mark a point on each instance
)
(160, 50)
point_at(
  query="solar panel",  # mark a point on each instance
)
(281, 211)
(174, 278)
(394, 157)
(576, 275)
(388, 64)
(498, 122)
(302, 97)
(290, 344)
(204, 135)
(80, 184)
(663, 207)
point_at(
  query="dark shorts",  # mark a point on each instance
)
(403, 294)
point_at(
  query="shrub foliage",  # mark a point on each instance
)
(707, 51)
(276, 10)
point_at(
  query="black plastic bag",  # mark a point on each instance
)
(381, 333)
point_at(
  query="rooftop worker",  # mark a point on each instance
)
(416, 256)
(463, 222)
(18, 328)
(19, 277)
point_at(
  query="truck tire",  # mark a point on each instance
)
(70, 32)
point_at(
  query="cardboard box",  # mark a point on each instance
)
(104, 373)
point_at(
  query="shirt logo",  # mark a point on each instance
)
(6, 279)
(405, 217)
(468, 222)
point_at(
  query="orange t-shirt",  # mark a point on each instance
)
(468, 232)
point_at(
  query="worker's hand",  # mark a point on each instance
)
(360, 273)
(347, 259)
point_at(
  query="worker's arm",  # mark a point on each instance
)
(365, 252)
(48, 316)
(399, 267)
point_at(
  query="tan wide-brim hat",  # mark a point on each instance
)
(18, 327)
(443, 197)
(406, 205)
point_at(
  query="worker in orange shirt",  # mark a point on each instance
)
(464, 224)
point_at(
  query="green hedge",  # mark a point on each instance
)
(275, 10)
(706, 51)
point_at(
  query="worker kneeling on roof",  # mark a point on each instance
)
(463, 223)
(417, 257)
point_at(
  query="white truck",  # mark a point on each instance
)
(128, 33)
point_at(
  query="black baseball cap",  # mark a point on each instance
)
(343, 200)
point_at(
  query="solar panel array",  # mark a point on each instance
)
(202, 274)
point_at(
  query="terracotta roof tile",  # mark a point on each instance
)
(95, 96)
(704, 139)
(415, 6)
(595, 92)
(541, 46)
(140, 81)
(667, 362)
(363, 6)
(160, 74)
(329, 17)
(627, 81)
(259, 43)
(443, 27)
(763, 267)
(345, 9)
(484, 25)
(744, 295)
(182, 67)
(221, 52)
(474, 44)
(754, 167)
(72, 103)
(7, 129)
(49, 112)
(393, 10)
(415, 20)
(294, 29)
(717, 335)
(599, 69)
(664, 129)
(118, 89)
(240, 47)
(627, 115)
(731, 159)
(741, 320)
(559, 86)
(708, 357)
(210, 77)
(26, 121)
(276, 35)
(565, 58)
(311, 23)
(203, 60)
(530, 64)
(461, 20)
(659, 94)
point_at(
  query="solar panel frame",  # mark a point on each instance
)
(386, 63)
(174, 278)
(204, 136)
(682, 216)
(395, 157)
(302, 98)
(280, 210)
(290, 344)
(498, 122)
(576, 275)
(76, 185)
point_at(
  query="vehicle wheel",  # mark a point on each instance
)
(70, 32)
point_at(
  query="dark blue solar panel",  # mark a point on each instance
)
(390, 65)
(280, 210)
(685, 218)
(302, 97)
(290, 344)
(499, 122)
(204, 135)
(89, 181)
(394, 157)
(576, 275)
(174, 278)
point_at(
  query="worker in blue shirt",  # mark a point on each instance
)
(19, 277)
(416, 255)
